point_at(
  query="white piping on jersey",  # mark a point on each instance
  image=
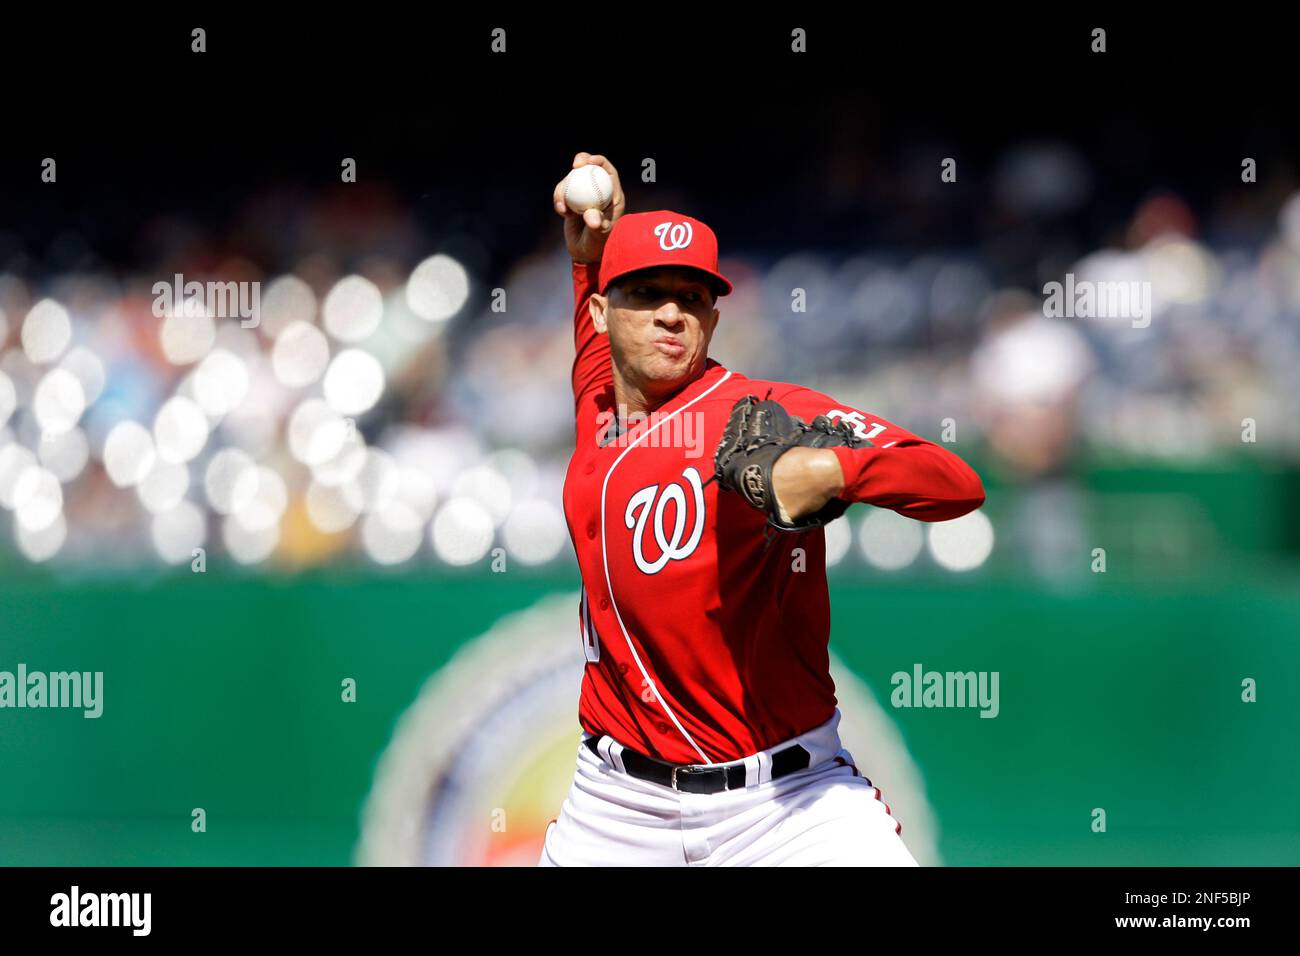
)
(582, 620)
(604, 554)
(590, 645)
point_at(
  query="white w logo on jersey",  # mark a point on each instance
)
(674, 235)
(638, 512)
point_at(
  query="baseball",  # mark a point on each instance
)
(588, 187)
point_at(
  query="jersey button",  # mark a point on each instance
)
(591, 530)
(662, 727)
(591, 466)
(604, 604)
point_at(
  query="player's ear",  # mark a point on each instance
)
(597, 307)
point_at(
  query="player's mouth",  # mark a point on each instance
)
(670, 347)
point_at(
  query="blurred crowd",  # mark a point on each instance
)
(393, 404)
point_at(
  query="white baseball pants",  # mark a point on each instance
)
(826, 815)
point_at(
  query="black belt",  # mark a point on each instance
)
(693, 778)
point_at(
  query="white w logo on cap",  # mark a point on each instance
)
(674, 235)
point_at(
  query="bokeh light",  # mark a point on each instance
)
(38, 498)
(129, 454)
(39, 546)
(839, 538)
(353, 382)
(14, 460)
(889, 541)
(230, 481)
(247, 545)
(375, 484)
(47, 330)
(961, 544)
(489, 488)
(317, 433)
(345, 464)
(220, 382)
(300, 354)
(285, 301)
(8, 398)
(437, 288)
(461, 532)
(266, 506)
(65, 454)
(328, 508)
(535, 532)
(89, 369)
(392, 534)
(163, 488)
(353, 309)
(180, 430)
(178, 531)
(58, 402)
(187, 335)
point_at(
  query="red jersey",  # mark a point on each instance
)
(704, 644)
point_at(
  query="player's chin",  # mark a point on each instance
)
(669, 373)
(666, 367)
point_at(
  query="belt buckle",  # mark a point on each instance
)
(686, 769)
(689, 771)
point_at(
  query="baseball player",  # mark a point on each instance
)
(695, 500)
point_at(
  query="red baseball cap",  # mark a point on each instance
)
(643, 240)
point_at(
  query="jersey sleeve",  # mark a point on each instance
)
(591, 369)
(899, 471)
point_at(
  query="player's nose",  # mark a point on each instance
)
(670, 314)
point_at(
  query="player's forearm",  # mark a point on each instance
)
(921, 481)
(925, 482)
(590, 350)
(804, 479)
(586, 276)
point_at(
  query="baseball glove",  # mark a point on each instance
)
(758, 433)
